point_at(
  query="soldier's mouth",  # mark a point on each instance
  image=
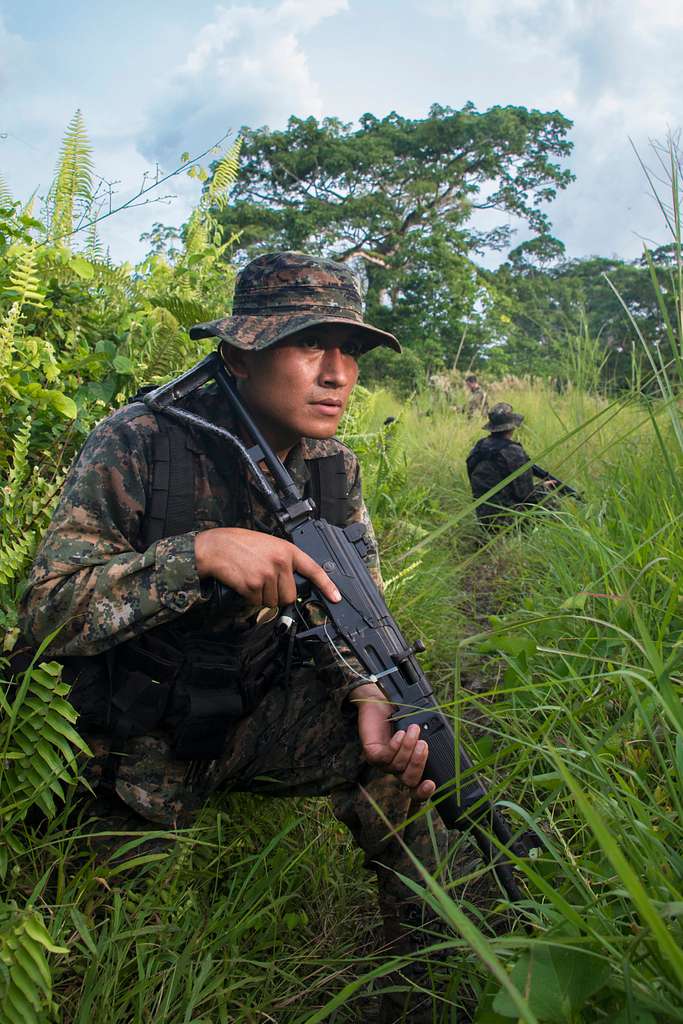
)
(329, 406)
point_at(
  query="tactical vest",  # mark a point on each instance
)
(481, 454)
(191, 685)
(171, 508)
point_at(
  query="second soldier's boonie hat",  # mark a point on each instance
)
(282, 293)
(501, 417)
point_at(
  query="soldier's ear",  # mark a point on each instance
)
(236, 361)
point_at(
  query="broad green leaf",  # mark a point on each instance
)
(62, 403)
(83, 268)
(513, 645)
(122, 364)
(577, 602)
(38, 932)
(556, 982)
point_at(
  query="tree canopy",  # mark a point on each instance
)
(399, 197)
(545, 316)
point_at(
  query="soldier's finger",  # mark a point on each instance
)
(269, 592)
(425, 790)
(305, 565)
(286, 589)
(415, 769)
(406, 750)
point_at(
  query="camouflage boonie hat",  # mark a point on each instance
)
(501, 417)
(282, 293)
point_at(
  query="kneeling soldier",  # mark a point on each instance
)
(492, 460)
(180, 683)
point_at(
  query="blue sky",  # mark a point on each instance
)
(156, 79)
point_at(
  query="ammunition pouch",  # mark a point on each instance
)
(188, 685)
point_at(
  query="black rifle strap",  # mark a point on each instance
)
(328, 488)
(171, 503)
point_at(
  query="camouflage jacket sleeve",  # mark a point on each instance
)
(90, 577)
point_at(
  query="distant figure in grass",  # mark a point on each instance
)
(493, 459)
(477, 403)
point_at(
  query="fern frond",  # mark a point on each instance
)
(24, 280)
(187, 311)
(19, 467)
(93, 246)
(6, 198)
(25, 979)
(73, 179)
(15, 556)
(197, 232)
(224, 177)
(167, 348)
(8, 326)
(112, 277)
(38, 742)
(28, 500)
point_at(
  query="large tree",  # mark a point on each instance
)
(399, 197)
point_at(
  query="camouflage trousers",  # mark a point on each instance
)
(302, 741)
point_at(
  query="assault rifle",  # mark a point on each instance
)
(361, 620)
(562, 488)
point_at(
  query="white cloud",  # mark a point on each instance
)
(247, 66)
(608, 67)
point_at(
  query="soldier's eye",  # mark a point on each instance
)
(353, 348)
(312, 344)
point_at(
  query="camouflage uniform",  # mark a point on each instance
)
(94, 577)
(493, 459)
(477, 405)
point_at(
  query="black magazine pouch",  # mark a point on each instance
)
(220, 682)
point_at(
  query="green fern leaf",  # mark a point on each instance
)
(33, 766)
(24, 282)
(72, 190)
(93, 246)
(187, 311)
(8, 328)
(224, 177)
(197, 233)
(15, 556)
(19, 468)
(25, 979)
(167, 346)
(6, 198)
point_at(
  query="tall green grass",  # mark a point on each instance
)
(556, 645)
(558, 648)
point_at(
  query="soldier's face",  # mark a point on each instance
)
(300, 387)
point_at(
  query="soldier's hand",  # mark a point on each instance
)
(550, 484)
(401, 753)
(257, 566)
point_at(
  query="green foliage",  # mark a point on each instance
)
(38, 744)
(543, 318)
(396, 196)
(203, 228)
(556, 647)
(25, 978)
(71, 195)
